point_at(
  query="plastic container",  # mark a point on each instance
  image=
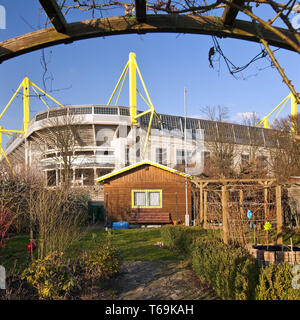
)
(120, 225)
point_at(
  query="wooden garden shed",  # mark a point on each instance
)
(146, 189)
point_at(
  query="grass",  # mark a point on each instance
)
(134, 244)
(288, 235)
(14, 256)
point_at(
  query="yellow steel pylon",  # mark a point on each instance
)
(26, 84)
(294, 113)
(132, 67)
(2, 152)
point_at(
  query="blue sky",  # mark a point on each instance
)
(85, 72)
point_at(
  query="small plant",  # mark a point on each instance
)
(100, 263)
(51, 277)
(268, 227)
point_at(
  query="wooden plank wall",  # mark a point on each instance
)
(117, 192)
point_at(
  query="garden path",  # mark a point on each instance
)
(160, 280)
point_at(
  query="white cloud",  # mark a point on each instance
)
(247, 115)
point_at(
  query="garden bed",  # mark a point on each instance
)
(274, 253)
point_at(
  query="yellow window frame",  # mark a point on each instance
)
(147, 192)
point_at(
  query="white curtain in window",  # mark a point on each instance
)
(154, 198)
(140, 198)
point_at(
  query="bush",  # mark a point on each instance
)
(6, 219)
(100, 263)
(50, 276)
(181, 237)
(232, 272)
(275, 283)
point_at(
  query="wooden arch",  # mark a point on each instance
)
(63, 32)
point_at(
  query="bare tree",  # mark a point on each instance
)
(57, 223)
(250, 118)
(215, 113)
(220, 143)
(255, 166)
(59, 140)
(285, 159)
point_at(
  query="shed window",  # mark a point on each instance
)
(154, 198)
(146, 198)
(139, 198)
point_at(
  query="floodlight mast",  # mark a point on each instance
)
(294, 113)
(132, 87)
(25, 84)
(132, 68)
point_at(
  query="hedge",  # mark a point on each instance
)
(231, 271)
(181, 238)
(276, 283)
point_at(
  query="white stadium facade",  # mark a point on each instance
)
(104, 140)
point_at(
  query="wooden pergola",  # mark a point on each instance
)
(63, 32)
(223, 187)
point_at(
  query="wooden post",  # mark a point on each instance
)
(266, 201)
(225, 213)
(240, 225)
(106, 209)
(205, 210)
(197, 208)
(241, 202)
(176, 196)
(201, 204)
(279, 215)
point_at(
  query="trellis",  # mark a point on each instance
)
(225, 204)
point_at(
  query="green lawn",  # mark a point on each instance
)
(14, 256)
(134, 244)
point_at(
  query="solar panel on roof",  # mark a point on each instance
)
(124, 111)
(256, 136)
(241, 134)
(41, 116)
(81, 110)
(225, 132)
(57, 113)
(105, 110)
(170, 122)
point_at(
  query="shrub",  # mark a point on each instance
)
(6, 219)
(275, 283)
(50, 276)
(231, 271)
(100, 263)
